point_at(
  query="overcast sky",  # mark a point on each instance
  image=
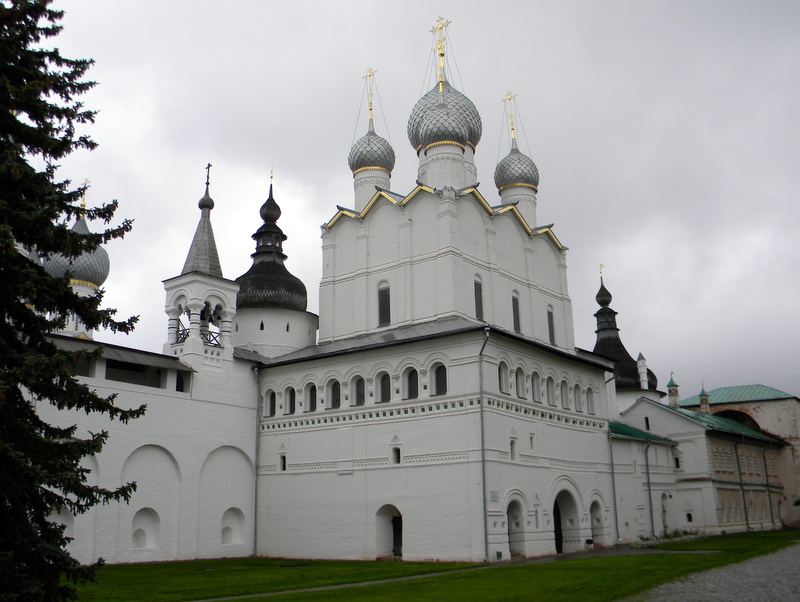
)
(667, 135)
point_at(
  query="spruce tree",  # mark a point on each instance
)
(40, 463)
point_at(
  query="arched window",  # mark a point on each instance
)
(334, 395)
(271, 402)
(282, 462)
(564, 395)
(289, 400)
(536, 385)
(478, 300)
(513, 449)
(551, 391)
(502, 377)
(439, 379)
(590, 401)
(384, 305)
(359, 391)
(411, 383)
(551, 325)
(515, 312)
(311, 398)
(397, 457)
(519, 383)
(384, 387)
(576, 397)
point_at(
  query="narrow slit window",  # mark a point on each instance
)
(478, 300)
(515, 313)
(384, 306)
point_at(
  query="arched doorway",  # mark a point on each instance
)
(566, 525)
(389, 532)
(516, 530)
(596, 518)
(559, 536)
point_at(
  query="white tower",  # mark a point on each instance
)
(371, 159)
(271, 313)
(201, 303)
(516, 175)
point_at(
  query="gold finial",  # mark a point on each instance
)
(208, 173)
(271, 174)
(438, 30)
(509, 97)
(601, 270)
(86, 183)
(370, 74)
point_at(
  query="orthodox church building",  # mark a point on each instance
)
(437, 408)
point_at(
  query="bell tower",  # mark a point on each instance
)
(201, 303)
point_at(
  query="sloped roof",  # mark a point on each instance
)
(738, 394)
(625, 431)
(119, 353)
(722, 425)
(409, 333)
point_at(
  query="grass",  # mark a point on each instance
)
(574, 579)
(190, 580)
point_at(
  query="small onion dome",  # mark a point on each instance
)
(603, 296)
(516, 169)
(371, 151)
(445, 115)
(268, 284)
(89, 267)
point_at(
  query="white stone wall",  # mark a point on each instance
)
(191, 456)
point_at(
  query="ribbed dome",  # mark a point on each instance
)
(371, 151)
(514, 169)
(268, 284)
(444, 116)
(90, 267)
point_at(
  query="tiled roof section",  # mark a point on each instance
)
(515, 169)
(90, 267)
(371, 151)
(203, 256)
(445, 115)
(738, 394)
(723, 425)
(624, 431)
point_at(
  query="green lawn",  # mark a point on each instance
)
(574, 579)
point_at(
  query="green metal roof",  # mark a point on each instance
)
(723, 425)
(619, 429)
(738, 394)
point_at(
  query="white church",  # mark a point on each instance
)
(437, 408)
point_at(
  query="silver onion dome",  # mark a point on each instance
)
(373, 151)
(89, 267)
(445, 115)
(514, 169)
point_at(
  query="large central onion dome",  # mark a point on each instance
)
(91, 267)
(444, 115)
(371, 152)
(516, 169)
(268, 284)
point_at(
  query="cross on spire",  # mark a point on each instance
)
(601, 270)
(509, 97)
(438, 31)
(86, 183)
(208, 173)
(370, 74)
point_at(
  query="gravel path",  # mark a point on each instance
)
(766, 578)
